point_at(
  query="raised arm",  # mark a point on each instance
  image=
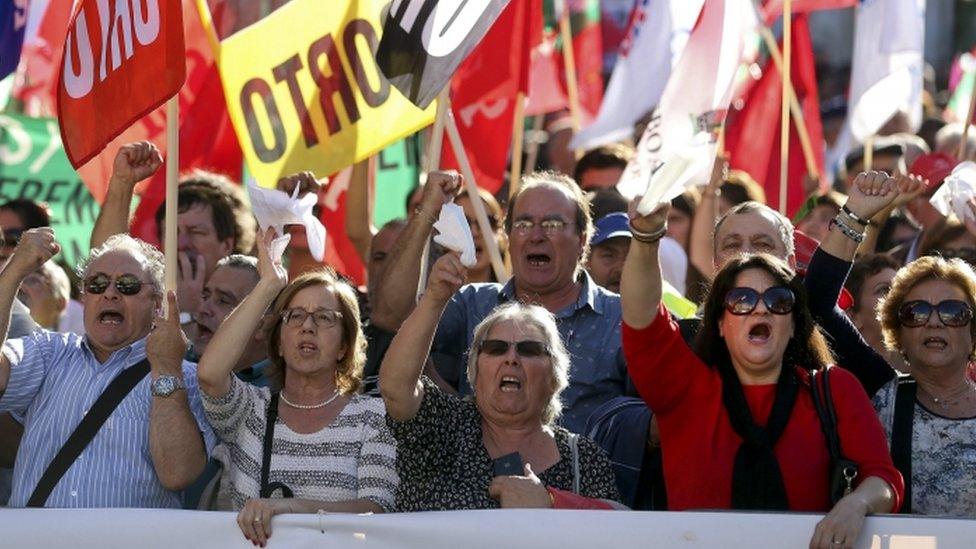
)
(36, 246)
(396, 293)
(640, 281)
(400, 372)
(701, 251)
(359, 210)
(133, 163)
(228, 344)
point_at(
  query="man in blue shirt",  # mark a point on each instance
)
(549, 228)
(155, 442)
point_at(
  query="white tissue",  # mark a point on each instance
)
(955, 193)
(274, 208)
(455, 234)
(669, 181)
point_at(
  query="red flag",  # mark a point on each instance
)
(484, 89)
(753, 132)
(113, 75)
(773, 9)
(545, 89)
(588, 55)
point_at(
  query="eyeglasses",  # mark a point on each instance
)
(549, 226)
(525, 349)
(126, 284)
(966, 254)
(779, 300)
(322, 318)
(952, 312)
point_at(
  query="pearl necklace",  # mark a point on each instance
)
(335, 395)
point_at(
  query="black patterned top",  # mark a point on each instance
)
(443, 464)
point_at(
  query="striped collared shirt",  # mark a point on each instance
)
(54, 380)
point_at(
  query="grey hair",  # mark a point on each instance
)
(152, 259)
(532, 315)
(240, 261)
(785, 225)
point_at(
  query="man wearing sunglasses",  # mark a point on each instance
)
(549, 227)
(155, 439)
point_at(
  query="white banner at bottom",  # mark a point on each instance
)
(169, 529)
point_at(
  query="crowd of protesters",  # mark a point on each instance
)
(836, 377)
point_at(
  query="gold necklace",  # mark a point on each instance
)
(335, 395)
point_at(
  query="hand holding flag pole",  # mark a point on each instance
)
(170, 244)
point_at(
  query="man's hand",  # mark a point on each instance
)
(135, 162)
(192, 275)
(439, 189)
(35, 247)
(305, 181)
(652, 222)
(520, 492)
(720, 171)
(871, 193)
(167, 344)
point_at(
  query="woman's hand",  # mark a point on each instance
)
(652, 222)
(439, 188)
(871, 193)
(446, 276)
(520, 491)
(840, 528)
(270, 269)
(255, 518)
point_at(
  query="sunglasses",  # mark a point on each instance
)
(779, 300)
(952, 312)
(127, 284)
(525, 349)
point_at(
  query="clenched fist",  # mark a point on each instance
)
(135, 162)
(36, 246)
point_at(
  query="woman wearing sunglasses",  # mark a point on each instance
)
(310, 443)
(739, 429)
(927, 317)
(502, 449)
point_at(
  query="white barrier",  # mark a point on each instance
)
(142, 528)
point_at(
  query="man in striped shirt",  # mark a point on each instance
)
(156, 441)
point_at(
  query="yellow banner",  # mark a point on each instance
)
(304, 92)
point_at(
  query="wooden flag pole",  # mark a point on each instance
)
(533, 156)
(784, 128)
(868, 153)
(479, 207)
(569, 61)
(964, 142)
(433, 162)
(801, 125)
(518, 143)
(170, 243)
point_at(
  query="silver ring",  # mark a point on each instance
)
(836, 542)
(258, 519)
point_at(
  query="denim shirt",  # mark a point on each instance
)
(590, 329)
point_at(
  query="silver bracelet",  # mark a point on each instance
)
(848, 231)
(647, 238)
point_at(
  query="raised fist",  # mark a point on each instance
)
(135, 162)
(36, 246)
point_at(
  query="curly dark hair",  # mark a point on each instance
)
(232, 216)
(807, 348)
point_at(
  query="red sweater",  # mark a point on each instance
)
(699, 444)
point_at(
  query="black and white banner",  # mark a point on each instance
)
(424, 41)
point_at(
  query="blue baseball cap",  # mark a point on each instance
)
(612, 225)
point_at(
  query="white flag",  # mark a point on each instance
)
(886, 71)
(655, 38)
(695, 100)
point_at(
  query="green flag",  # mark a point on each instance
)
(33, 165)
(397, 173)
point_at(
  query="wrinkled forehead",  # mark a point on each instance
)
(751, 225)
(545, 200)
(119, 261)
(516, 329)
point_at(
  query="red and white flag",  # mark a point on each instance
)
(695, 99)
(654, 41)
(773, 9)
(120, 61)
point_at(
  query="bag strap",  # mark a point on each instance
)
(86, 430)
(901, 434)
(824, 404)
(268, 488)
(574, 451)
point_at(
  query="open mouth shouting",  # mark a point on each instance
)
(307, 349)
(760, 333)
(539, 260)
(935, 343)
(510, 384)
(110, 317)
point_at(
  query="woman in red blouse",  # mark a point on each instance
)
(738, 425)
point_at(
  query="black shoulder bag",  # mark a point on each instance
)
(269, 488)
(901, 434)
(842, 470)
(86, 430)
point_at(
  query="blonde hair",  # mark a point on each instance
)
(349, 368)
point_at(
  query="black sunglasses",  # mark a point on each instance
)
(952, 312)
(126, 284)
(779, 300)
(525, 349)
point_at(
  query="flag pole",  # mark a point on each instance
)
(479, 207)
(784, 128)
(518, 143)
(963, 143)
(868, 153)
(801, 125)
(433, 162)
(533, 155)
(170, 245)
(569, 61)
